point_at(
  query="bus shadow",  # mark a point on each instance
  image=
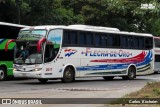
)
(15, 79)
(53, 82)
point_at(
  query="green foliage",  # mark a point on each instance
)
(5, 11)
(127, 15)
(156, 91)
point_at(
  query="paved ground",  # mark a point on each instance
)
(81, 88)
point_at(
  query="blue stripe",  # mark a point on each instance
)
(102, 67)
(147, 60)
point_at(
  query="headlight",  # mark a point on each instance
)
(14, 69)
(37, 69)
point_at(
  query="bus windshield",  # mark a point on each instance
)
(31, 34)
(26, 53)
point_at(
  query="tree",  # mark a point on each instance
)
(127, 15)
(8, 11)
(49, 12)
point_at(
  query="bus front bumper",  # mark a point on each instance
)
(20, 74)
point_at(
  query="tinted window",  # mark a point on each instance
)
(116, 40)
(110, 40)
(129, 42)
(148, 43)
(82, 38)
(70, 37)
(104, 39)
(66, 37)
(141, 42)
(89, 39)
(73, 37)
(97, 40)
(123, 41)
(136, 42)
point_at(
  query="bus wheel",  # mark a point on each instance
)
(108, 77)
(131, 74)
(68, 75)
(3, 74)
(43, 80)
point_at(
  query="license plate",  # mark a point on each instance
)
(24, 75)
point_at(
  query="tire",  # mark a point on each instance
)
(68, 75)
(3, 74)
(43, 80)
(108, 77)
(131, 74)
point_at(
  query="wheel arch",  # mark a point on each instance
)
(4, 66)
(69, 65)
(132, 65)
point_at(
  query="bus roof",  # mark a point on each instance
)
(94, 27)
(89, 28)
(12, 24)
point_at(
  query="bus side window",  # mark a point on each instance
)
(141, 42)
(130, 41)
(104, 41)
(97, 40)
(89, 39)
(110, 40)
(123, 41)
(73, 37)
(82, 40)
(66, 39)
(148, 43)
(117, 40)
(136, 42)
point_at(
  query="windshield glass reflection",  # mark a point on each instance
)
(26, 53)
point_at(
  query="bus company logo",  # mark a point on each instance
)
(69, 52)
(140, 57)
(101, 53)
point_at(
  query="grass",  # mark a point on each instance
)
(150, 90)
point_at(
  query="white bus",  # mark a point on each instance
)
(156, 54)
(67, 52)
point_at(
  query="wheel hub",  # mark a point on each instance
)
(1, 74)
(132, 73)
(68, 74)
